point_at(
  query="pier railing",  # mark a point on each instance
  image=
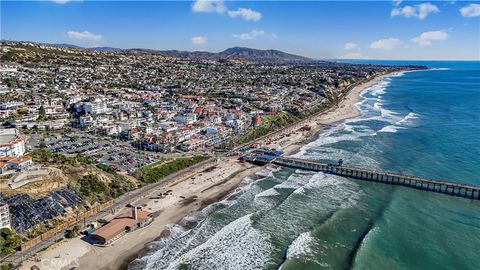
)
(453, 189)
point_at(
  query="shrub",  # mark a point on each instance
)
(92, 189)
(46, 156)
(9, 241)
(105, 168)
(150, 174)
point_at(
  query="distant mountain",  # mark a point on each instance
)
(175, 53)
(105, 49)
(235, 53)
(98, 49)
(248, 53)
(63, 45)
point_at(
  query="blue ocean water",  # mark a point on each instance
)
(424, 123)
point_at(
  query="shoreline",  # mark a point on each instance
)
(194, 194)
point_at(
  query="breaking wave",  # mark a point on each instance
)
(300, 246)
(239, 232)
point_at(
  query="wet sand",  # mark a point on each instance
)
(191, 195)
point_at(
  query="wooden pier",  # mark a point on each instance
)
(458, 190)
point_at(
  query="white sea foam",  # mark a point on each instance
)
(356, 120)
(370, 236)
(336, 190)
(248, 180)
(236, 246)
(397, 74)
(245, 185)
(240, 246)
(324, 148)
(160, 247)
(379, 88)
(264, 173)
(343, 132)
(378, 91)
(300, 247)
(390, 129)
(274, 168)
(215, 206)
(267, 193)
(408, 119)
(294, 181)
(300, 190)
(175, 230)
(302, 172)
(388, 114)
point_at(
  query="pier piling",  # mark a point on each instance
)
(452, 189)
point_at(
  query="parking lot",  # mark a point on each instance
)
(120, 156)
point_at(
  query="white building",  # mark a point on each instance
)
(86, 120)
(12, 143)
(95, 107)
(11, 105)
(4, 216)
(192, 144)
(16, 164)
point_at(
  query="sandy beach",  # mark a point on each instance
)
(188, 195)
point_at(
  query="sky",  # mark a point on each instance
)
(403, 30)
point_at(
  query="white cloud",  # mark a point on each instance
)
(350, 46)
(199, 40)
(472, 10)
(354, 56)
(246, 14)
(250, 35)
(209, 6)
(397, 2)
(85, 35)
(61, 2)
(419, 11)
(426, 38)
(218, 6)
(386, 44)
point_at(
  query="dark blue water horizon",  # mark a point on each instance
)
(455, 64)
(423, 123)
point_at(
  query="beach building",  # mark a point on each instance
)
(126, 222)
(192, 144)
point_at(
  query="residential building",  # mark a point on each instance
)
(12, 143)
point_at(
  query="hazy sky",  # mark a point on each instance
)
(318, 29)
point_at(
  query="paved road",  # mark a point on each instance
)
(121, 201)
(118, 205)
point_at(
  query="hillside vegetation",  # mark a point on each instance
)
(152, 173)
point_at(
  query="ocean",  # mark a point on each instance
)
(422, 123)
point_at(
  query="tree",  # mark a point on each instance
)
(42, 144)
(22, 111)
(41, 113)
(63, 96)
(8, 241)
(73, 232)
(6, 266)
